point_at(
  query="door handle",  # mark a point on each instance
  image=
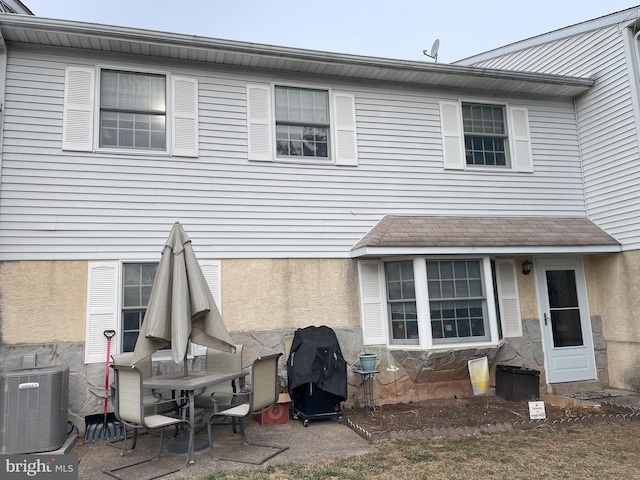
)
(546, 318)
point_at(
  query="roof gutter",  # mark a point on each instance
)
(480, 250)
(151, 37)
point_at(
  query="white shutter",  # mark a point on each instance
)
(452, 135)
(212, 271)
(102, 310)
(520, 139)
(346, 151)
(508, 298)
(259, 123)
(79, 100)
(184, 111)
(374, 324)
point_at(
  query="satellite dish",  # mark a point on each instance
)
(434, 50)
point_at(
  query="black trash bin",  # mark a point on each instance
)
(517, 383)
(317, 374)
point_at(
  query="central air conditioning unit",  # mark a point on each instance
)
(34, 408)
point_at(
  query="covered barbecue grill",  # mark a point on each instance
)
(317, 374)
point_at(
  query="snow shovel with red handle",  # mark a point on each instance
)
(105, 426)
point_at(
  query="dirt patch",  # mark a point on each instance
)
(460, 412)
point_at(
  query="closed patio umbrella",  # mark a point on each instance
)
(181, 306)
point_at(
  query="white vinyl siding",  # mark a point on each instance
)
(103, 305)
(63, 205)
(453, 138)
(607, 116)
(79, 113)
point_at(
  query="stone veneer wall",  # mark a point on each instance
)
(600, 350)
(418, 375)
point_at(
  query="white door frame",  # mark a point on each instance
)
(565, 364)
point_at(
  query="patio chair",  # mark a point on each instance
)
(133, 412)
(220, 396)
(257, 398)
(154, 402)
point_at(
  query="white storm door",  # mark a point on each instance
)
(565, 320)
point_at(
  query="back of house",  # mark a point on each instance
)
(428, 213)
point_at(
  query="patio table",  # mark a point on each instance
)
(194, 381)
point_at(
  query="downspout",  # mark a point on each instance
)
(3, 87)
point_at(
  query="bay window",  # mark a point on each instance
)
(401, 300)
(456, 301)
(437, 302)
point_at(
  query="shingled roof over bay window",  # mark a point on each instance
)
(404, 235)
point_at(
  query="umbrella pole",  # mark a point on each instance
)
(186, 369)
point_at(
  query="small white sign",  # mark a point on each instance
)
(536, 411)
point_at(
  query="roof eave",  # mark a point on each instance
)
(356, 66)
(377, 252)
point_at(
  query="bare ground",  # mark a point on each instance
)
(461, 412)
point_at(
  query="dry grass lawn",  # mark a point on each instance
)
(597, 451)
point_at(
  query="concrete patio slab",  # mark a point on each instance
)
(322, 440)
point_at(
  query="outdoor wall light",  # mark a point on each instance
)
(526, 267)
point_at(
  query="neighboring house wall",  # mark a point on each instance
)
(608, 125)
(613, 297)
(606, 121)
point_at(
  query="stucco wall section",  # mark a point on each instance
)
(614, 295)
(42, 302)
(263, 294)
(527, 290)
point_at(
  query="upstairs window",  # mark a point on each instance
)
(133, 110)
(302, 123)
(485, 135)
(130, 112)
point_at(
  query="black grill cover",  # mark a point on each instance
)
(316, 358)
